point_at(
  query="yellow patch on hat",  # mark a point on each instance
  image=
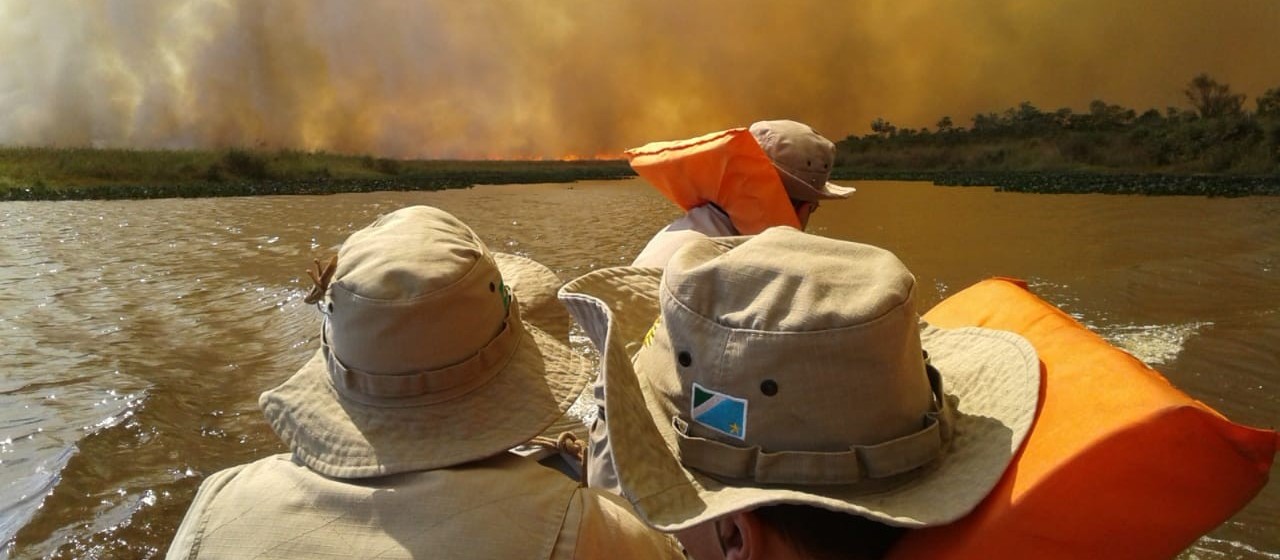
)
(648, 337)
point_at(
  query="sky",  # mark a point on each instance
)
(588, 78)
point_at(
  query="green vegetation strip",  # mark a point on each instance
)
(1074, 182)
(1217, 146)
(78, 174)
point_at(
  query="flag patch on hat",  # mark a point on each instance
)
(720, 412)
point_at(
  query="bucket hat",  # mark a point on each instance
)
(791, 368)
(802, 157)
(427, 358)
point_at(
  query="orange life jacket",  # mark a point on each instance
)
(1119, 464)
(728, 168)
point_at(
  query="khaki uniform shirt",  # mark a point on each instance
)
(502, 507)
(700, 221)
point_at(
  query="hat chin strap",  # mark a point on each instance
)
(860, 463)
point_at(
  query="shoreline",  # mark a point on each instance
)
(33, 174)
(1035, 182)
(281, 187)
(460, 175)
(1084, 182)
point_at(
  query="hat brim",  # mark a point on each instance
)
(536, 287)
(799, 189)
(995, 375)
(341, 438)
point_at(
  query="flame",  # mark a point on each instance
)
(603, 156)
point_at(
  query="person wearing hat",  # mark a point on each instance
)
(787, 401)
(436, 357)
(802, 159)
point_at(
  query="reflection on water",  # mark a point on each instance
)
(138, 334)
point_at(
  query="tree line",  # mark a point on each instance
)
(1215, 133)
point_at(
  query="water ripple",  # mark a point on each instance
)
(138, 334)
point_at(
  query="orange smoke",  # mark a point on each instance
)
(521, 79)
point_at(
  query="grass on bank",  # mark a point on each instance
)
(83, 173)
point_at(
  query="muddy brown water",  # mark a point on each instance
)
(138, 334)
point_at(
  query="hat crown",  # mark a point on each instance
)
(416, 290)
(785, 281)
(426, 360)
(705, 419)
(798, 150)
(823, 354)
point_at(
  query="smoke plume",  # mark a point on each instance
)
(564, 78)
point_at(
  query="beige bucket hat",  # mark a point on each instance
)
(791, 368)
(434, 352)
(802, 157)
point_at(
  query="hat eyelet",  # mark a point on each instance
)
(685, 359)
(331, 307)
(492, 288)
(769, 387)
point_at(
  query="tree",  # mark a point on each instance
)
(986, 122)
(1269, 104)
(1150, 117)
(1062, 117)
(1104, 116)
(1212, 99)
(945, 125)
(1027, 113)
(1023, 119)
(883, 128)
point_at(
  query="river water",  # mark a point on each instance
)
(138, 334)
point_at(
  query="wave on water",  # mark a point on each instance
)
(34, 462)
(25, 495)
(1153, 344)
(1210, 548)
(584, 407)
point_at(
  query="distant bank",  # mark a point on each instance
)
(1217, 145)
(81, 174)
(1081, 182)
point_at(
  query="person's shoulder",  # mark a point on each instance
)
(697, 223)
(213, 489)
(607, 527)
(263, 470)
(247, 473)
(708, 210)
(710, 220)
